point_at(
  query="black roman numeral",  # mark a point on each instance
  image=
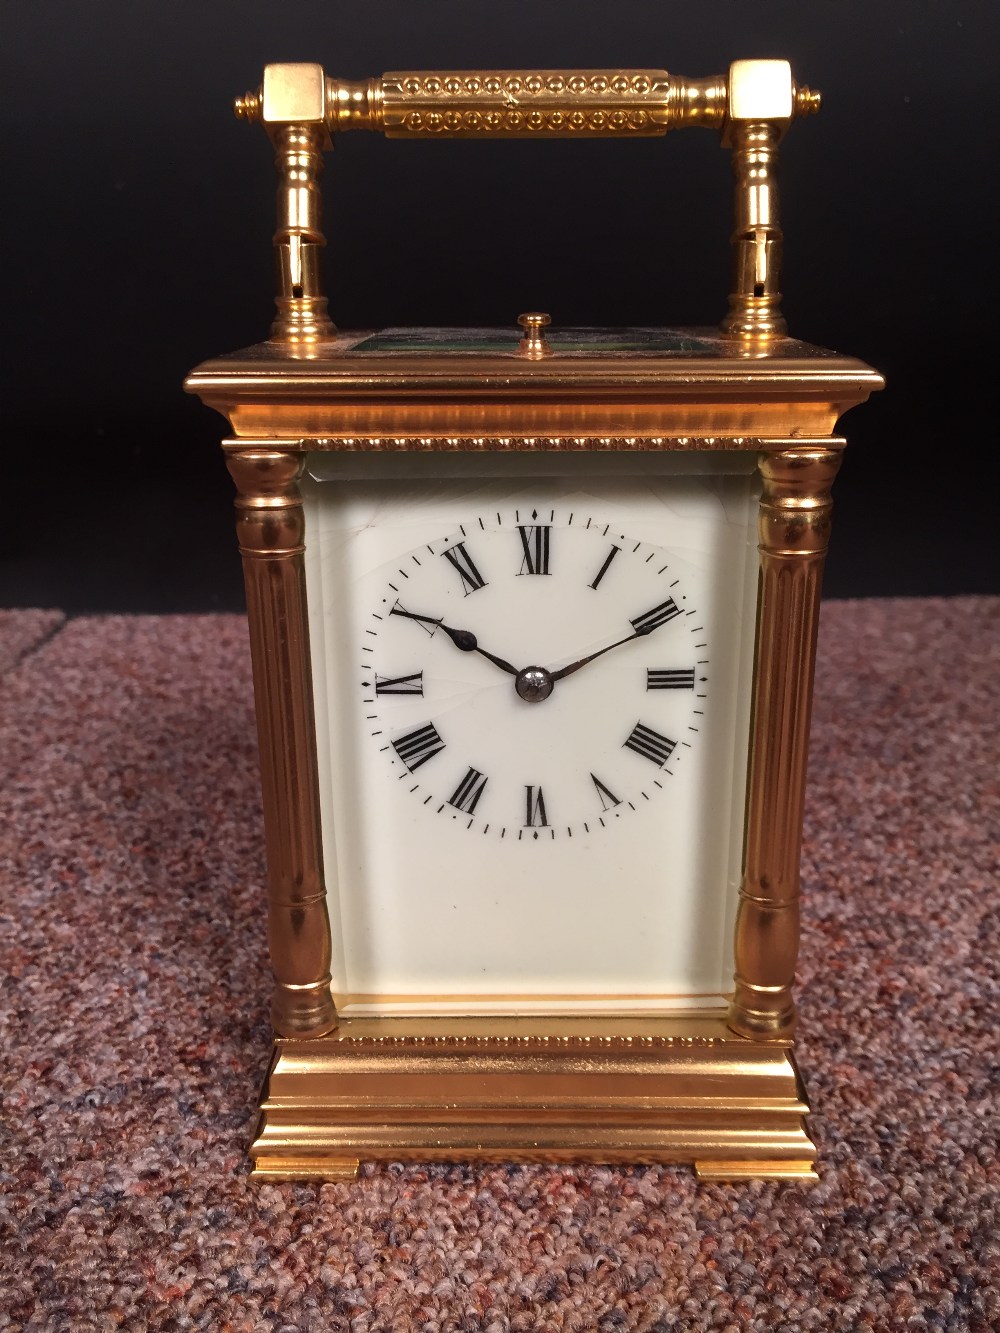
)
(602, 791)
(463, 562)
(416, 747)
(650, 744)
(535, 543)
(605, 567)
(413, 684)
(650, 620)
(534, 808)
(670, 680)
(466, 795)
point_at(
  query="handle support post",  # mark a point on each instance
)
(762, 99)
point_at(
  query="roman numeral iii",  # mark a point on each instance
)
(413, 684)
(466, 795)
(535, 544)
(534, 812)
(659, 615)
(650, 744)
(670, 680)
(458, 556)
(416, 747)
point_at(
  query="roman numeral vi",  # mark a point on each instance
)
(534, 812)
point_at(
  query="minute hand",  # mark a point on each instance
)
(575, 666)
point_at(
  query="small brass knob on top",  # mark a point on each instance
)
(534, 343)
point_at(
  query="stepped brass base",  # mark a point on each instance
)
(642, 1090)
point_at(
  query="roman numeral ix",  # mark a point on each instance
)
(670, 680)
(413, 684)
(458, 556)
(650, 744)
(416, 747)
(466, 795)
(659, 615)
(535, 544)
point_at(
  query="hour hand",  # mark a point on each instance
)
(461, 638)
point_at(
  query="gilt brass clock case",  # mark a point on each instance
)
(533, 618)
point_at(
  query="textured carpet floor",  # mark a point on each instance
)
(21, 631)
(133, 995)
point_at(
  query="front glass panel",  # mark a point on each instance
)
(504, 841)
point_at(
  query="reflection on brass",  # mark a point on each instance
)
(678, 1089)
(794, 530)
(508, 401)
(534, 343)
(430, 425)
(299, 240)
(755, 301)
(752, 107)
(545, 103)
(597, 444)
(270, 529)
(542, 103)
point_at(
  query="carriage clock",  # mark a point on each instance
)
(533, 618)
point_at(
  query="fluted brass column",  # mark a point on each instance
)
(794, 531)
(270, 527)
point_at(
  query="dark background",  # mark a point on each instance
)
(137, 243)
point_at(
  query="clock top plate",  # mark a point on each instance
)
(593, 382)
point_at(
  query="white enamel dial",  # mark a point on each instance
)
(537, 672)
(496, 842)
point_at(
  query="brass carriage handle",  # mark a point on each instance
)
(752, 106)
(504, 104)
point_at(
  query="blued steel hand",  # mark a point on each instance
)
(461, 638)
(575, 666)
